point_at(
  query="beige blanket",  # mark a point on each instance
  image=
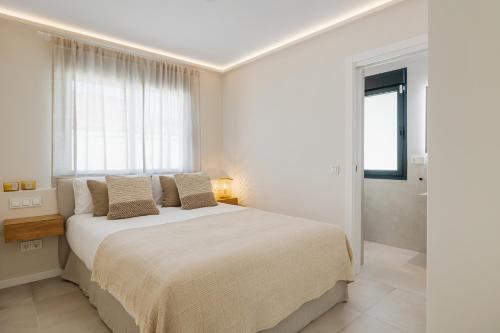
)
(235, 272)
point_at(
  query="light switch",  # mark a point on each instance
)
(418, 159)
(335, 170)
(37, 201)
(26, 202)
(14, 203)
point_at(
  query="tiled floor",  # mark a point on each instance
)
(387, 297)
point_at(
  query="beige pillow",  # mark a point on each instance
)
(99, 192)
(195, 190)
(170, 196)
(129, 197)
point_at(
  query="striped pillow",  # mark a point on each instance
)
(195, 190)
(129, 197)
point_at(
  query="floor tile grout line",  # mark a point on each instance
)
(388, 323)
(380, 300)
(422, 293)
(396, 268)
(35, 307)
(376, 302)
(376, 318)
(391, 323)
(359, 315)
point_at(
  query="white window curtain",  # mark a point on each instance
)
(116, 113)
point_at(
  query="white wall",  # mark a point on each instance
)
(393, 211)
(26, 136)
(211, 122)
(284, 122)
(463, 288)
(25, 104)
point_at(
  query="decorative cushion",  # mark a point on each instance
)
(170, 197)
(83, 199)
(99, 192)
(195, 190)
(129, 197)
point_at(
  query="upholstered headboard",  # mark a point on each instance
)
(66, 207)
(65, 196)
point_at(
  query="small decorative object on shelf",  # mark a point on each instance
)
(10, 186)
(223, 188)
(28, 185)
(229, 201)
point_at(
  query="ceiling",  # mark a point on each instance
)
(218, 34)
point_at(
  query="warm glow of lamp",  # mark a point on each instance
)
(223, 188)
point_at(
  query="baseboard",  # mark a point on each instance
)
(29, 278)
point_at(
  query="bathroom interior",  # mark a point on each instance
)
(394, 209)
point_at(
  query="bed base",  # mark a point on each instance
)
(118, 320)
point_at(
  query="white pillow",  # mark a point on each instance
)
(83, 199)
(156, 187)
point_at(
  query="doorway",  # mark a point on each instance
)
(394, 202)
(354, 165)
(393, 275)
(395, 159)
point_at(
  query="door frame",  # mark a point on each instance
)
(355, 66)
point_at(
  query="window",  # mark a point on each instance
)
(385, 125)
(116, 113)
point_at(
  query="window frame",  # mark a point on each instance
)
(392, 81)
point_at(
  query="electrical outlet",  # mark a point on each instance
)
(25, 246)
(32, 245)
(36, 244)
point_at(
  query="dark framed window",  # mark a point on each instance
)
(385, 147)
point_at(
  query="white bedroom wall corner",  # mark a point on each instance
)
(211, 122)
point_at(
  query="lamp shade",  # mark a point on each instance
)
(223, 188)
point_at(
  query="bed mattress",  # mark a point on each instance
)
(85, 232)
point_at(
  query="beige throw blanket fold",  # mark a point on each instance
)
(236, 272)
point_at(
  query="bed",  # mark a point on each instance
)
(83, 255)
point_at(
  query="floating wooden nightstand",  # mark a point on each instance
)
(28, 228)
(230, 201)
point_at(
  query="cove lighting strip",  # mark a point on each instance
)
(290, 40)
(61, 27)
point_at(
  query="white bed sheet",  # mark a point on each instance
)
(85, 232)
